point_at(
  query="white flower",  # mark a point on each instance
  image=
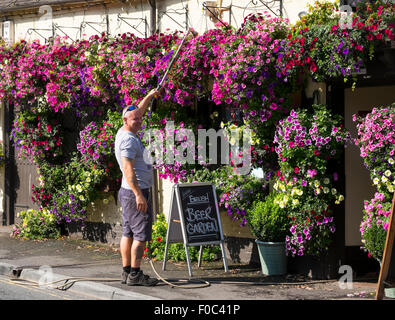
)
(334, 191)
(326, 180)
(376, 181)
(391, 161)
(384, 179)
(326, 190)
(387, 173)
(81, 197)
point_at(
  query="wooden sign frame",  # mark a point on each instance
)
(386, 261)
(176, 230)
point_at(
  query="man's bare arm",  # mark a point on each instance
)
(147, 99)
(130, 176)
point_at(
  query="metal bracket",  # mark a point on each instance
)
(218, 12)
(119, 18)
(271, 4)
(56, 26)
(31, 30)
(161, 14)
(85, 23)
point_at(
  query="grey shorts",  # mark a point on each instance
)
(136, 224)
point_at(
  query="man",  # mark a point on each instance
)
(137, 178)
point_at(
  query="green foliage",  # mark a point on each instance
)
(66, 190)
(36, 225)
(176, 251)
(267, 221)
(374, 240)
(321, 13)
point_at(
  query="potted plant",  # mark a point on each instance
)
(270, 225)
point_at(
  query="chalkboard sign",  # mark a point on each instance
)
(194, 219)
(387, 271)
(199, 208)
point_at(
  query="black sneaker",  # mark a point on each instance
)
(141, 279)
(124, 277)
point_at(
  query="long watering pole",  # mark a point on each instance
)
(161, 84)
(174, 58)
(170, 65)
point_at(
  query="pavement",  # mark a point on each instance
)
(98, 268)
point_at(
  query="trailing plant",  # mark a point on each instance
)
(376, 141)
(306, 142)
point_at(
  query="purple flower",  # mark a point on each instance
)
(345, 51)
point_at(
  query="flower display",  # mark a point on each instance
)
(376, 141)
(305, 143)
(375, 224)
(71, 96)
(327, 46)
(37, 136)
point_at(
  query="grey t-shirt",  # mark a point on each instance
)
(130, 146)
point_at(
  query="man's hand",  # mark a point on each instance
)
(147, 99)
(141, 203)
(154, 93)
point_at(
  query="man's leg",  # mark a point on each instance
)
(138, 248)
(125, 247)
